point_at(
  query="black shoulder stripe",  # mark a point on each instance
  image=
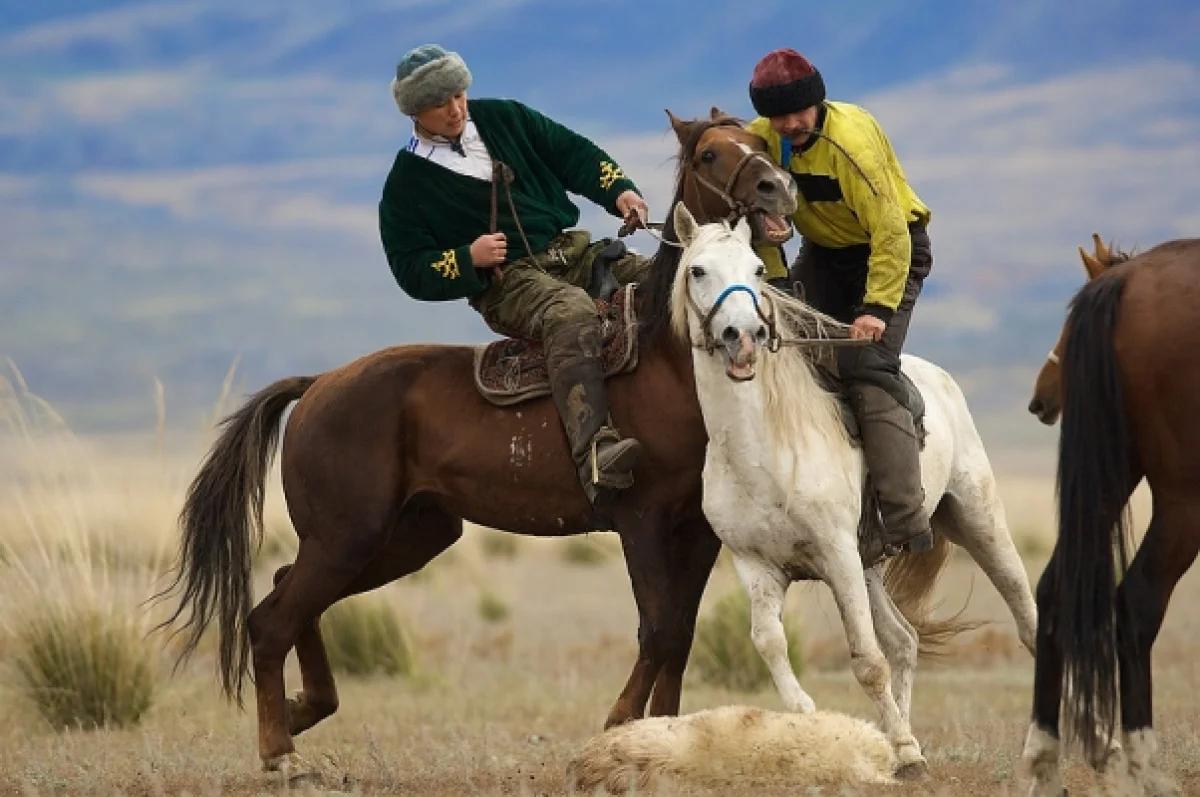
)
(818, 187)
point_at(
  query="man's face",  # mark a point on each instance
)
(788, 125)
(447, 119)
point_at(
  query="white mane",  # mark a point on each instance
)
(799, 412)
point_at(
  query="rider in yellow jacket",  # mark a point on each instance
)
(864, 256)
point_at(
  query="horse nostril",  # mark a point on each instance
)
(761, 334)
(766, 187)
(730, 335)
(1035, 406)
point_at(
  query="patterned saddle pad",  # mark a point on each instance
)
(511, 370)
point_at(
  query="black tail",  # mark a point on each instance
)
(221, 513)
(1095, 470)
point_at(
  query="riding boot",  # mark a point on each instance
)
(603, 459)
(892, 454)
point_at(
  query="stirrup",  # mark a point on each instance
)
(618, 481)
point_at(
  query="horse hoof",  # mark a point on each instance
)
(916, 770)
(294, 769)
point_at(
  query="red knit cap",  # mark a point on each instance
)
(785, 82)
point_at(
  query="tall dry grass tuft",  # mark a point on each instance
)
(80, 555)
(723, 653)
(84, 667)
(365, 635)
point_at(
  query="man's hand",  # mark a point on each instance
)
(867, 326)
(489, 251)
(630, 202)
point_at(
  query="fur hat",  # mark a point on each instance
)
(426, 77)
(785, 82)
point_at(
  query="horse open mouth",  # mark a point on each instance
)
(740, 372)
(740, 358)
(770, 227)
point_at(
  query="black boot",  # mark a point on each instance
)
(893, 461)
(603, 459)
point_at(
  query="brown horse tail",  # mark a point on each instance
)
(222, 510)
(1096, 464)
(910, 580)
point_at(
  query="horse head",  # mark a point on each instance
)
(1046, 403)
(726, 172)
(718, 291)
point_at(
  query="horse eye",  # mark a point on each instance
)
(697, 272)
(708, 156)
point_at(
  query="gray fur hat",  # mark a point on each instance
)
(426, 77)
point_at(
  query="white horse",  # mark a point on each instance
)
(783, 483)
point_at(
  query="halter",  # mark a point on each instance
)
(710, 343)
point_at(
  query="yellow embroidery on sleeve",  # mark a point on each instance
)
(448, 265)
(609, 174)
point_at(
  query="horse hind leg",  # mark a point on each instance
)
(1166, 553)
(767, 587)
(421, 534)
(972, 516)
(898, 639)
(319, 575)
(1043, 747)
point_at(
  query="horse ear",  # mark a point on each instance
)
(716, 113)
(685, 224)
(742, 230)
(1091, 264)
(1102, 253)
(680, 127)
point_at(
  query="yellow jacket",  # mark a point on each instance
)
(841, 206)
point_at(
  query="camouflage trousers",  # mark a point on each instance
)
(538, 297)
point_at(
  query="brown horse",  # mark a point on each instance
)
(1130, 382)
(1046, 402)
(384, 457)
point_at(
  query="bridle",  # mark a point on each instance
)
(710, 343)
(737, 208)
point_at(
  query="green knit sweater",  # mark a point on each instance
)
(429, 216)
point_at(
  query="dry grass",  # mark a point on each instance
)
(504, 706)
(364, 635)
(724, 655)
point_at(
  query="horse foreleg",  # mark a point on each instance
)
(767, 587)
(843, 573)
(976, 522)
(1166, 553)
(898, 639)
(1043, 747)
(694, 550)
(644, 543)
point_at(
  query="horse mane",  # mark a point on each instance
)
(655, 306)
(799, 412)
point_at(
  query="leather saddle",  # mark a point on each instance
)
(512, 370)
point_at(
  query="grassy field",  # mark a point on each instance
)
(511, 652)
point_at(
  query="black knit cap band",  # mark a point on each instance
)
(785, 98)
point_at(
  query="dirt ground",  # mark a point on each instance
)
(499, 707)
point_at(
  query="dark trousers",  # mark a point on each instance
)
(835, 281)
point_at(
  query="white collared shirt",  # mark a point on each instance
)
(473, 161)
